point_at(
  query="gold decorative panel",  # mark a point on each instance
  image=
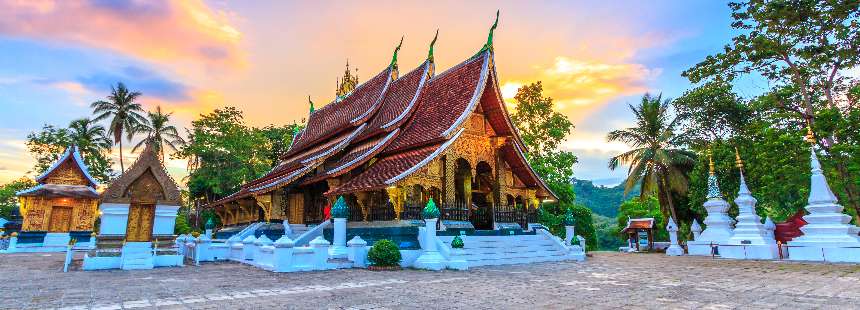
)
(140, 218)
(61, 218)
(67, 173)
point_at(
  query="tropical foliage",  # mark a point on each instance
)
(656, 160)
(123, 110)
(159, 132)
(803, 49)
(8, 200)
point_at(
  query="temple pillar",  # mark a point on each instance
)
(394, 195)
(449, 179)
(361, 199)
(265, 202)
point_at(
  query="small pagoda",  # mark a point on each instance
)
(138, 215)
(61, 208)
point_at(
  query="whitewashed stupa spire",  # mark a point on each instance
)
(750, 239)
(718, 227)
(828, 236)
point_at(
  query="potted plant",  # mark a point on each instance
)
(384, 255)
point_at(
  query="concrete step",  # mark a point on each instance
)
(515, 260)
(510, 255)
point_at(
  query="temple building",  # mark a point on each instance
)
(393, 142)
(138, 214)
(62, 207)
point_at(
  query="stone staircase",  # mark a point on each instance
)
(137, 255)
(299, 229)
(504, 250)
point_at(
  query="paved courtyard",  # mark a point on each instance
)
(607, 280)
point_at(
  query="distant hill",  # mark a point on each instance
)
(602, 200)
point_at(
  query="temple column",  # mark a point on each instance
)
(449, 179)
(265, 203)
(361, 199)
(394, 194)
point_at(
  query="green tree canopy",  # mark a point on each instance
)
(657, 161)
(8, 200)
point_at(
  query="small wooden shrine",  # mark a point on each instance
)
(640, 234)
(138, 216)
(142, 203)
(64, 201)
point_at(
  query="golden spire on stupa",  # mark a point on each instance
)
(347, 83)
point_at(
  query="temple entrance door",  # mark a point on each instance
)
(140, 217)
(483, 212)
(61, 219)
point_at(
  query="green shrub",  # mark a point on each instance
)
(457, 243)
(384, 253)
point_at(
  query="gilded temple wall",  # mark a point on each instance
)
(71, 214)
(475, 145)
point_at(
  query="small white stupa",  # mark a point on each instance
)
(718, 224)
(828, 236)
(750, 239)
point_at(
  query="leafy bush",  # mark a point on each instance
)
(457, 243)
(384, 253)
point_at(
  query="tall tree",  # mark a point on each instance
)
(543, 129)
(223, 153)
(804, 48)
(657, 159)
(124, 113)
(159, 132)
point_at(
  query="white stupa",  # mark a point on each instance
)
(718, 224)
(828, 236)
(750, 239)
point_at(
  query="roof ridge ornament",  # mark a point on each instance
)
(432, 43)
(489, 44)
(431, 71)
(312, 106)
(393, 65)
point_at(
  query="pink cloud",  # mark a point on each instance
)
(162, 31)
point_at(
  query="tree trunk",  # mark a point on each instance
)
(668, 194)
(121, 166)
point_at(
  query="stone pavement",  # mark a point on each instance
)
(607, 280)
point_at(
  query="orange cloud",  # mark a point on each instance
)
(172, 31)
(578, 86)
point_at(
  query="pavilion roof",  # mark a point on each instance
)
(640, 223)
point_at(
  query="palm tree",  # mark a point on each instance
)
(656, 159)
(124, 113)
(159, 132)
(89, 136)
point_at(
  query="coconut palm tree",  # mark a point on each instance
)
(89, 136)
(124, 114)
(656, 160)
(159, 132)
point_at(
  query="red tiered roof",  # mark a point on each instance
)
(349, 112)
(403, 123)
(442, 104)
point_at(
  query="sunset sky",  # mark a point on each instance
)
(266, 57)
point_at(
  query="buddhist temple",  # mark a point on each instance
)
(62, 207)
(138, 216)
(395, 141)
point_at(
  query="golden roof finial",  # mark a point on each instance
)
(810, 136)
(711, 162)
(738, 161)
